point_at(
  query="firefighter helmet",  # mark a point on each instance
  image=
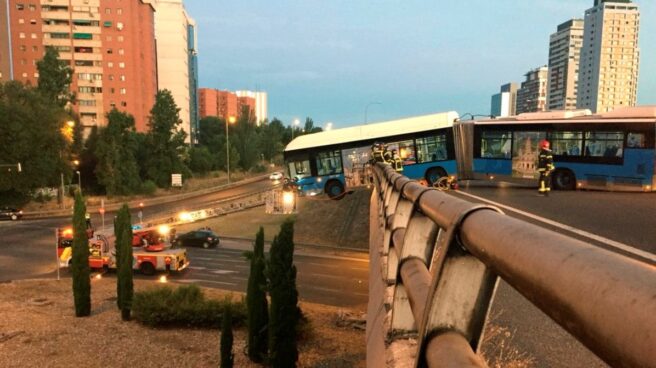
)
(544, 144)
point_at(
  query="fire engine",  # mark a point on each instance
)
(102, 255)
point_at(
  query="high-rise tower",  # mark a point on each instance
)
(608, 68)
(564, 54)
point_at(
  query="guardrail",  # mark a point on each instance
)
(438, 258)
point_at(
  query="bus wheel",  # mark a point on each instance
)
(334, 189)
(147, 268)
(564, 179)
(434, 174)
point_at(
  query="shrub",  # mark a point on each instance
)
(148, 187)
(227, 357)
(185, 306)
(80, 260)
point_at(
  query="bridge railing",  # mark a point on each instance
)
(440, 258)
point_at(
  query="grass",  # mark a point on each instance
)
(319, 221)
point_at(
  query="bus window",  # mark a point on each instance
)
(329, 163)
(299, 169)
(636, 140)
(405, 150)
(431, 148)
(495, 144)
(604, 144)
(567, 143)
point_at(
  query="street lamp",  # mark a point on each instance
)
(231, 120)
(79, 180)
(329, 126)
(367, 108)
(296, 124)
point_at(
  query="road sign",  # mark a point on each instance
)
(176, 180)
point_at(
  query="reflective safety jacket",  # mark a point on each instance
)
(398, 164)
(387, 157)
(545, 161)
(377, 154)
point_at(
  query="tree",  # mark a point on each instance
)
(55, 78)
(271, 136)
(244, 136)
(29, 122)
(124, 284)
(284, 313)
(80, 260)
(117, 168)
(89, 161)
(227, 357)
(310, 128)
(256, 303)
(166, 143)
(200, 160)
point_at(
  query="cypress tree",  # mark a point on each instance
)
(80, 260)
(284, 311)
(227, 358)
(256, 303)
(124, 284)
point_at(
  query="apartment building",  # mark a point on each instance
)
(175, 34)
(564, 54)
(261, 107)
(608, 70)
(109, 44)
(223, 104)
(532, 97)
(504, 103)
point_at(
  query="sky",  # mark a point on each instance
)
(339, 60)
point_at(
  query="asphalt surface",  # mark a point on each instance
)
(625, 220)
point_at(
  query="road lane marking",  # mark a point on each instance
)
(583, 233)
(197, 268)
(189, 281)
(223, 272)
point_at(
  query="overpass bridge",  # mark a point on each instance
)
(435, 264)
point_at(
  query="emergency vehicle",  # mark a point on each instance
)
(103, 256)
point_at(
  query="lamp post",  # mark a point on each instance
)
(296, 124)
(329, 126)
(231, 120)
(79, 181)
(366, 108)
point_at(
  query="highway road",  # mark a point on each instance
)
(620, 222)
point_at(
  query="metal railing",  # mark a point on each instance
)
(442, 256)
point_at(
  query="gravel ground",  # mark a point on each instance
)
(38, 329)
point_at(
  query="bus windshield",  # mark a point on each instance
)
(299, 169)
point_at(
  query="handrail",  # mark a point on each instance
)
(443, 281)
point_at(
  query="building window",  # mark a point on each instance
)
(33, 35)
(36, 75)
(21, 21)
(121, 51)
(108, 11)
(119, 38)
(21, 35)
(110, 64)
(24, 74)
(32, 7)
(122, 91)
(32, 21)
(110, 51)
(107, 24)
(20, 6)
(122, 78)
(119, 11)
(124, 104)
(121, 65)
(22, 47)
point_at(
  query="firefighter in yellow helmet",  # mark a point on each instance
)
(545, 167)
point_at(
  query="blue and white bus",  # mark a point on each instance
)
(331, 161)
(608, 151)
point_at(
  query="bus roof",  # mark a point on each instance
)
(626, 114)
(374, 131)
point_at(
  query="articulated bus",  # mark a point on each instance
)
(609, 151)
(331, 161)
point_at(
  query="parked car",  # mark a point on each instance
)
(9, 213)
(276, 176)
(198, 238)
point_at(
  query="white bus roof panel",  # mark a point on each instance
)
(374, 131)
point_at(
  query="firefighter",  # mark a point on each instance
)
(545, 167)
(397, 164)
(377, 152)
(387, 156)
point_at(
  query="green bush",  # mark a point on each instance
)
(148, 187)
(259, 168)
(185, 306)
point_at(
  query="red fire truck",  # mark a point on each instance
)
(102, 255)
